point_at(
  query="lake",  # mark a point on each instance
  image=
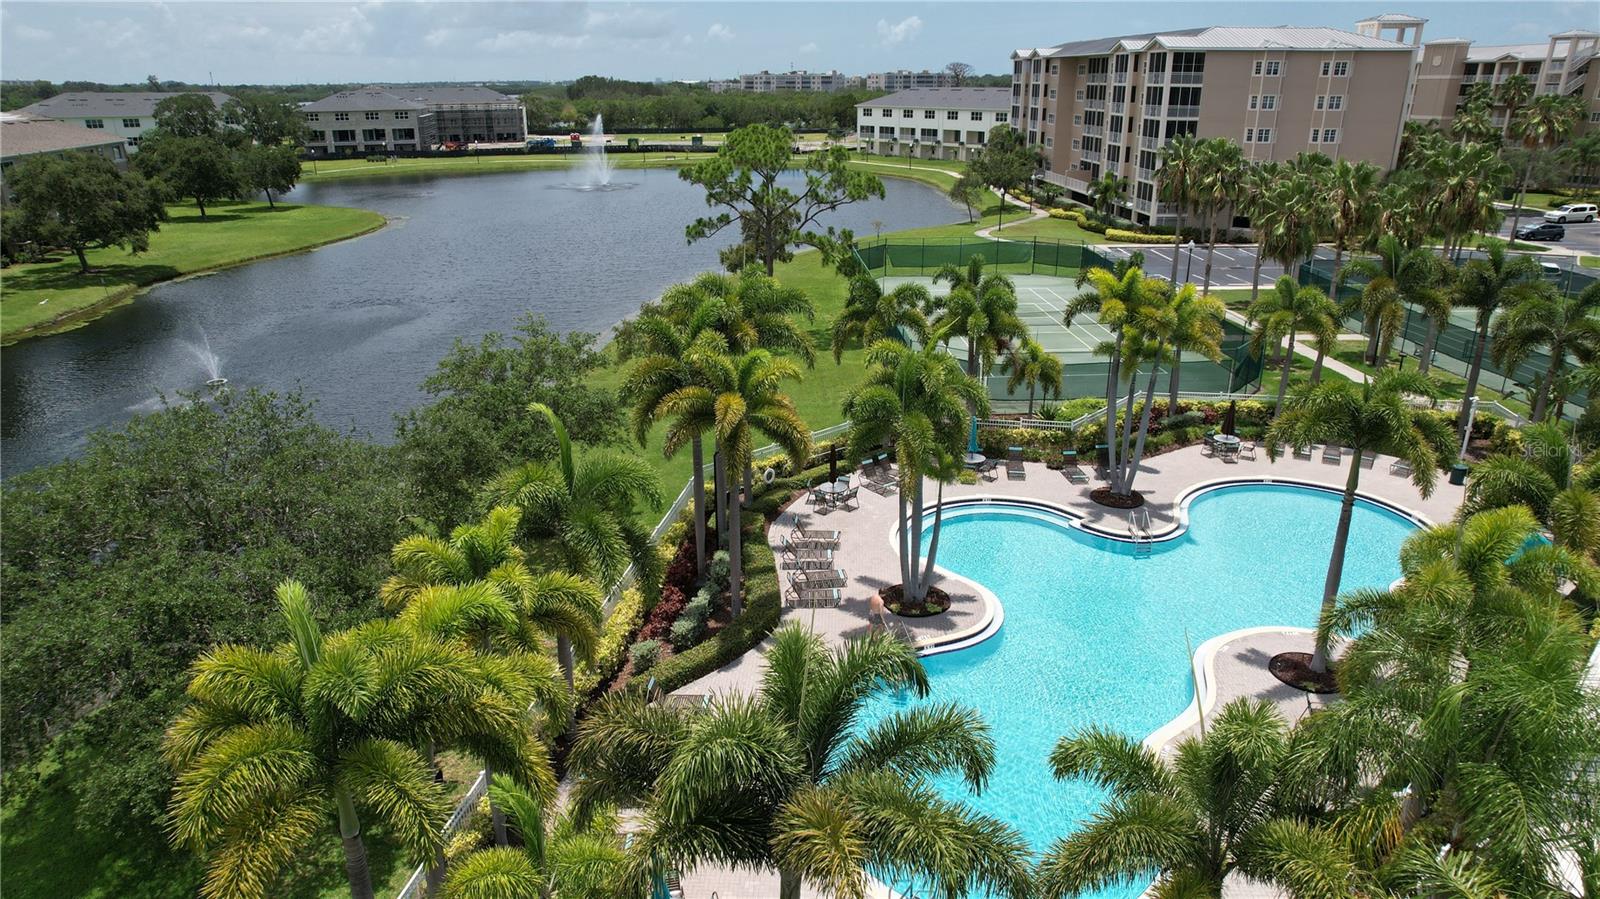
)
(358, 325)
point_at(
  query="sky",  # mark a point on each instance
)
(250, 42)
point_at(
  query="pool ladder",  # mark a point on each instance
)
(1139, 530)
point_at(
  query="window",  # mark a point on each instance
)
(907, 113)
(952, 115)
(930, 134)
(1055, 68)
(1077, 120)
(1267, 67)
(130, 123)
(1079, 95)
(868, 131)
(1336, 101)
(866, 112)
(1083, 69)
(929, 114)
(93, 123)
(1052, 93)
(977, 117)
(229, 120)
(372, 134)
(1594, 117)
(1269, 101)
(372, 117)
(341, 117)
(1330, 135)
(1050, 119)
(1339, 69)
(1076, 144)
(1048, 142)
(1000, 117)
(313, 116)
(403, 114)
(318, 137)
(1258, 135)
(344, 137)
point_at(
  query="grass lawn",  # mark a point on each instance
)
(1299, 376)
(1543, 200)
(1589, 261)
(44, 296)
(929, 171)
(1057, 229)
(1451, 385)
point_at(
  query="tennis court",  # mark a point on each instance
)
(1041, 300)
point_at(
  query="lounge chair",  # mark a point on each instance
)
(1331, 453)
(1075, 474)
(815, 534)
(1305, 452)
(1014, 469)
(1247, 450)
(989, 471)
(818, 578)
(795, 541)
(804, 596)
(1400, 467)
(1369, 459)
(807, 559)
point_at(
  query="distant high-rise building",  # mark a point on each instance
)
(905, 79)
(1447, 70)
(765, 82)
(932, 123)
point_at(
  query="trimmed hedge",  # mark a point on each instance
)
(1123, 236)
(762, 607)
(615, 637)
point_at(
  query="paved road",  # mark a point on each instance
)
(1232, 267)
(1581, 238)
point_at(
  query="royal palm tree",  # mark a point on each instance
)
(1214, 811)
(1487, 285)
(273, 746)
(1353, 198)
(1256, 186)
(1029, 363)
(871, 315)
(785, 779)
(583, 508)
(1177, 183)
(1546, 121)
(1544, 479)
(1396, 275)
(1513, 93)
(734, 398)
(1221, 168)
(982, 310)
(1117, 299)
(575, 860)
(919, 401)
(1287, 312)
(1108, 193)
(659, 367)
(1558, 324)
(1372, 417)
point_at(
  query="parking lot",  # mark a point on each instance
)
(1582, 238)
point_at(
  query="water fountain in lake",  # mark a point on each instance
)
(595, 169)
(209, 361)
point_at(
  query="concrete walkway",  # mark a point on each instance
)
(1304, 348)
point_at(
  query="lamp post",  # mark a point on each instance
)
(1466, 433)
(1189, 262)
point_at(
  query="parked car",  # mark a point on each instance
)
(1572, 212)
(1546, 231)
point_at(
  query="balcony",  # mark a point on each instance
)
(1188, 77)
(1095, 78)
(1094, 104)
(1155, 77)
(1120, 78)
(1150, 143)
(1151, 110)
(1094, 130)
(1119, 108)
(1090, 156)
(1146, 174)
(1183, 112)
(1142, 205)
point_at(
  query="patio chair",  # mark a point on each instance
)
(843, 500)
(802, 596)
(1247, 450)
(1331, 453)
(1400, 467)
(807, 559)
(1075, 474)
(1369, 459)
(990, 470)
(818, 578)
(797, 540)
(1208, 447)
(1014, 469)
(1228, 454)
(1305, 452)
(818, 534)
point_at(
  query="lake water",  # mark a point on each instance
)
(359, 324)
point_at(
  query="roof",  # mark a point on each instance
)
(462, 93)
(1494, 52)
(1225, 37)
(369, 98)
(991, 98)
(1394, 18)
(82, 104)
(25, 137)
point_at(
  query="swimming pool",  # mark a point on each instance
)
(1094, 634)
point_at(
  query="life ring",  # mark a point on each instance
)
(768, 476)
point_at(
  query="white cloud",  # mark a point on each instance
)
(901, 32)
(719, 32)
(29, 33)
(530, 40)
(343, 34)
(808, 47)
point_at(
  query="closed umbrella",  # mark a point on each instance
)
(833, 463)
(1227, 418)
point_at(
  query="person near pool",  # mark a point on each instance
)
(877, 615)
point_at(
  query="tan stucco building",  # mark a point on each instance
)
(932, 123)
(1447, 69)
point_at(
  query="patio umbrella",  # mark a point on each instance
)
(833, 463)
(1227, 418)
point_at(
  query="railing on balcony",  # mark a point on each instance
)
(1096, 78)
(1183, 112)
(1155, 77)
(1094, 130)
(1146, 174)
(1118, 108)
(1188, 77)
(1090, 156)
(1151, 110)
(1150, 143)
(1120, 78)
(1094, 104)
(1142, 205)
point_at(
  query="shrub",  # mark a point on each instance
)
(620, 625)
(1123, 236)
(1063, 214)
(686, 632)
(645, 654)
(681, 573)
(1184, 420)
(1071, 410)
(719, 570)
(1089, 224)
(665, 612)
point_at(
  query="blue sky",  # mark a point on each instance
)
(255, 42)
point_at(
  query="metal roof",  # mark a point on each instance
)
(81, 104)
(1495, 52)
(989, 98)
(25, 137)
(459, 93)
(1224, 37)
(1394, 18)
(366, 99)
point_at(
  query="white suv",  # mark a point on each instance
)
(1572, 212)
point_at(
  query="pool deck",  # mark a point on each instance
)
(1230, 666)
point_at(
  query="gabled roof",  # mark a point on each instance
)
(27, 136)
(985, 98)
(80, 104)
(1223, 37)
(364, 100)
(1498, 52)
(1394, 18)
(454, 93)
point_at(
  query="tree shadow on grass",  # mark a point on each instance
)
(212, 216)
(64, 275)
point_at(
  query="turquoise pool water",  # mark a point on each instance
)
(1095, 634)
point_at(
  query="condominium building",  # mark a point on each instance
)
(1446, 71)
(764, 82)
(24, 137)
(388, 119)
(1110, 104)
(905, 79)
(932, 123)
(127, 115)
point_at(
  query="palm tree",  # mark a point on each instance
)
(1288, 311)
(584, 509)
(1196, 328)
(1029, 363)
(1396, 275)
(784, 778)
(1513, 93)
(1474, 120)
(1108, 192)
(1487, 285)
(1301, 212)
(982, 309)
(919, 401)
(1256, 185)
(1373, 417)
(1118, 300)
(871, 315)
(1177, 183)
(1547, 121)
(1353, 196)
(750, 310)
(1219, 808)
(967, 190)
(1543, 478)
(275, 745)
(1559, 324)
(1584, 155)
(577, 860)
(660, 368)
(1221, 168)
(734, 397)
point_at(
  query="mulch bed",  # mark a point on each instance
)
(1103, 496)
(894, 599)
(1294, 669)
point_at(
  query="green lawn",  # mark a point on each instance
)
(1058, 229)
(1589, 261)
(40, 297)
(1543, 200)
(1451, 385)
